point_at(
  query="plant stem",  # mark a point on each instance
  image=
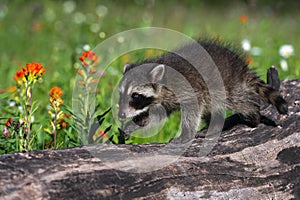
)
(87, 117)
(54, 129)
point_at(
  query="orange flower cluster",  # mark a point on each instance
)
(56, 92)
(55, 95)
(31, 72)
(35, 69)
(88, 58)
(88, 72)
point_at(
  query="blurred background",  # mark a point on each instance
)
(52, 32)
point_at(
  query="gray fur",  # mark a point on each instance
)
(173, 83)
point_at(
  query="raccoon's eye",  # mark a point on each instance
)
(135, 95)
(139, 101)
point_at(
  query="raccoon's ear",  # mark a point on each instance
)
(157, 73)
(126, 68)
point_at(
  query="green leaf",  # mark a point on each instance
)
(34, 107)
(70, 135)
(103, 114)
(4, 95)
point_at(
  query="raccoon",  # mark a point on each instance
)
(152, 89)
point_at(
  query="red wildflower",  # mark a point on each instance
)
(56, 93)
(80, 72)
(8, 123)
(249, 60)
(243, 19)
(19, 76)
(34, 69)
(101, 133)
(88, 58)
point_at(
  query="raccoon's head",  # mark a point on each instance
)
(139, 89)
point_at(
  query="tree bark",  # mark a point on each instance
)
(245, 163)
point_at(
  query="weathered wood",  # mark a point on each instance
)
(258, 163)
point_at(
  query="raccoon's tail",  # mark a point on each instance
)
(271, 96)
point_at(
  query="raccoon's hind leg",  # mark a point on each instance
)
(247, 112)
(248, 120)
(247, 108)
(231, 121)
(252, 120)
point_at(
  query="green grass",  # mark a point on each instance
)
(42, 31)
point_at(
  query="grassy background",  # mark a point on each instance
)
(54, 32)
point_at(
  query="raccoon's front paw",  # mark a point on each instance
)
(129, 127)
(125, 133)
(201, 134)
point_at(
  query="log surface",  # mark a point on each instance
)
(246, 163)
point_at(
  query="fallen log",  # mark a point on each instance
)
(246, 163)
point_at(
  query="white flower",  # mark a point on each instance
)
(20, 109)
(286, 50)
(32, 119)
(12, 103)
(246, 45)
(86, 47)
(284, 65)
(48, 107)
